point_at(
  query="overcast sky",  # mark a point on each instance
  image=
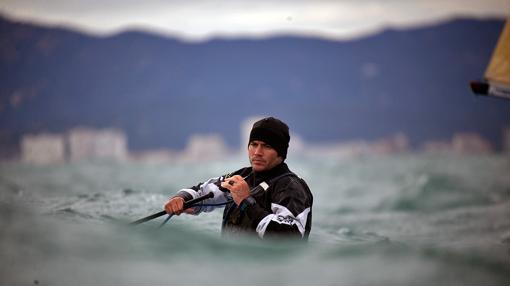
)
(196, 20)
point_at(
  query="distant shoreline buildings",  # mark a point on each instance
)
(83, 143)
(77, 144)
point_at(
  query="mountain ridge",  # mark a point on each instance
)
(161, 90)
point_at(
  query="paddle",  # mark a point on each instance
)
(187, 204)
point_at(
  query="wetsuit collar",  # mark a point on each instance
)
(275, 171)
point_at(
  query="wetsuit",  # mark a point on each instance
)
(280, 203)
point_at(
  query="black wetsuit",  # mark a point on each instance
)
(280, 204)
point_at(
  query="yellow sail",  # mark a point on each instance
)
(497, 75)
(498, 71)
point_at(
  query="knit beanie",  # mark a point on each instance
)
(274, 132)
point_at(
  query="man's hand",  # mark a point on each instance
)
(175, 206)
(238, 188)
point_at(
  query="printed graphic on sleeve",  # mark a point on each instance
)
(282, 215)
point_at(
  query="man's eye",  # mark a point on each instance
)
(268, 146)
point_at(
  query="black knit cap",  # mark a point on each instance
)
(274, 132)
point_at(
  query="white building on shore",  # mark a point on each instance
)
(43, 149)
(77, 144)
(470, 144)
(86, 143)
(205, 147)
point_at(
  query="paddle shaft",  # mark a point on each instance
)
(187, 204)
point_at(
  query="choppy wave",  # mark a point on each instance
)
(408, 220)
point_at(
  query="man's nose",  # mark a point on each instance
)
(258, 150)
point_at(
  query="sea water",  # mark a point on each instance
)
(398, 220)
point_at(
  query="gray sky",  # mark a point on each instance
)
(197, 20)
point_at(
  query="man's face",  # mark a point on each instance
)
(262, 156)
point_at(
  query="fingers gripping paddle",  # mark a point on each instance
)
(187, 205)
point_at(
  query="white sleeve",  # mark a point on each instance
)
(282, 215)
(209, 187)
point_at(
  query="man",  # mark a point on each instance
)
(266, 198)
